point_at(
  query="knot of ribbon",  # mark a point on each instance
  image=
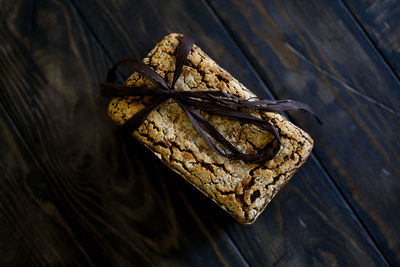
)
(212, 102)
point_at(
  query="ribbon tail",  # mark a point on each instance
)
(280, 106)
(136, 120)
(234, 114)
(266, 105)
(200, 129)
(204, 128)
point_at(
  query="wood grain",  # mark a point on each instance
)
(314, 52)
(33, 223)
(381, 21)
(331, 233)
(79, 192)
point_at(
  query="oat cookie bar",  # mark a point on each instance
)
(242, 189)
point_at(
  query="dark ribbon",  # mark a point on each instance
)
(213, 102)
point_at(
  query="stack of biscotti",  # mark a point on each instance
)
(240, 188)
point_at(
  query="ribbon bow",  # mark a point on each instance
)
(213, 102)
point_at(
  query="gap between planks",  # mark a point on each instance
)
(346, 85)
(314, 157)
(369, 39)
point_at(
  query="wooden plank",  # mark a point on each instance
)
(381, 21)
(82, 196)
(309, 222)
(28, 235)
(312, 51)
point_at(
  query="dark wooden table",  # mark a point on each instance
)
(75, 190)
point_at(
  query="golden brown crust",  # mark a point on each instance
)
(242, 189)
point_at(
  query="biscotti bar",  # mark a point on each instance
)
(242, 189)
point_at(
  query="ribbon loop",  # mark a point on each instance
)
(213, 102)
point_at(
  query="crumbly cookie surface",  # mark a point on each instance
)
(242, 189)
